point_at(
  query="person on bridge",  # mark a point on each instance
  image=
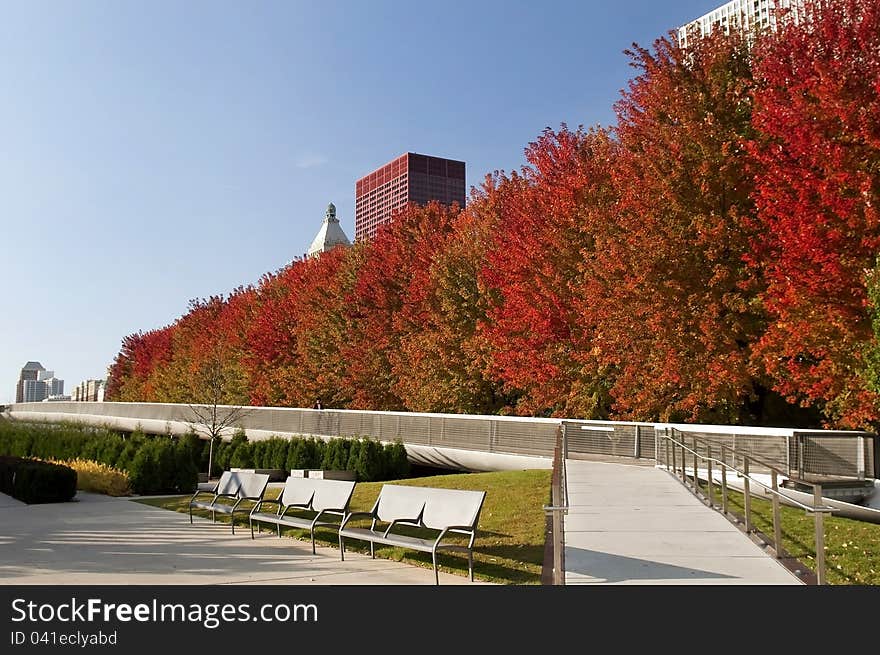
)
(318, 404)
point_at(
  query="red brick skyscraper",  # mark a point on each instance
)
(409, 178)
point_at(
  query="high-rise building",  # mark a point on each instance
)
(330, 234)
(54, 386)
(30, 372)
(409, 178)
(88, 391)
(33, 391)
(746, 16)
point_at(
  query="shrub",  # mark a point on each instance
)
(32, 481)
(371, 464)
(99, 478)
(396, 461)
(305, 453)
(336, 455)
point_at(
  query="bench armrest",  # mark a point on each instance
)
(282, 512)
(460, 529)
(272, 501)
(413, 522)
(339, 512)
(351, 515)
(200, 491)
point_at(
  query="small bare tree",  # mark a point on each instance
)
(217, 390)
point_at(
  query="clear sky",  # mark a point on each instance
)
(154, 152)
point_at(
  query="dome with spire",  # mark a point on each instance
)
(330, 234)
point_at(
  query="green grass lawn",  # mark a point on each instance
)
(852, 548)
(510, 539)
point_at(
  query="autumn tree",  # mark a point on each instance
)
(399, 251)
(440, 365)
(817, 189)
(139, 365)
(679, 304)
(217, 397)
(538, 323)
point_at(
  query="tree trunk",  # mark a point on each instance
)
(210, 456)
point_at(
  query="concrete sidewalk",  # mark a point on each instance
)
(638, 525)
(101, 540)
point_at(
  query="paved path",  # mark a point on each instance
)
(100, 540)
(638, 525)
(9, 501)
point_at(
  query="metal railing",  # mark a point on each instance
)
(678, 452)
(557, 511)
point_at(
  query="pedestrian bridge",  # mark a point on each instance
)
(630, 524)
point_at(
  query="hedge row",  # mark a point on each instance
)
(32, 481)
(369, 459)
(170, 465)
(154, 464)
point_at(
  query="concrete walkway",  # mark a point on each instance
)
(100, 540)
(638, 525)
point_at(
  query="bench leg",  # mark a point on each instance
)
(341, 548)
(252, 528)
(279, 531)
(372, 550)
(313, 542)
(471, 564)
(190, 514)
(232, 521)
(213, 516)
(436, 574)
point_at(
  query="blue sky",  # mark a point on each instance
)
(155, 152)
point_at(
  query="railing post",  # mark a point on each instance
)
(683, 463)
(666, 461)
(777, 525)
(670, 444)
(709, 475)
(723, 482)
(558, 572)
(696, 479)
(747, 494)
(820, 535)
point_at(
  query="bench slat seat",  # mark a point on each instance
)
(233, 487)
(442, 510)
(320, 498)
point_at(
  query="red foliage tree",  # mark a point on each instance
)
(400, 251)
(678, 303)
(817, 116)
(539, 324)
(441, 361)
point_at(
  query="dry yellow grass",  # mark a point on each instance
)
(98, 478)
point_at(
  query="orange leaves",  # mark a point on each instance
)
(705, 259)
(816, 181)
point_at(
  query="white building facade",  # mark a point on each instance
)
(747, 16)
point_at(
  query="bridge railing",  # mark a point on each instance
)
(556, 512)
(691, 457)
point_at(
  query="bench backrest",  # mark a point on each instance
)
(331, 494)
(445, 508)
(297, 491)
(228, 483)
(397, 502)
(253, 485)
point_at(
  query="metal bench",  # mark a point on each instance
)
(442, 510)
(234, 487)
(314, 496)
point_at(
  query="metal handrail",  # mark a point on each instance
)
(559, 508)
(770, 489)
(818, 509)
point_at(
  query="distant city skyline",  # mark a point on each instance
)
(161, 152)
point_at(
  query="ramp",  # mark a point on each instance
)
(638, 525)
